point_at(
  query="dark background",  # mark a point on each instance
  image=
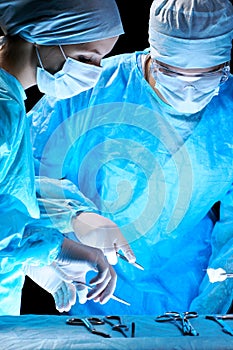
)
(135, 17)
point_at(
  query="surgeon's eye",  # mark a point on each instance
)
(95, 61)
(85, 59)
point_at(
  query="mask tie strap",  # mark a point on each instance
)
(38, 56)
(63, 53)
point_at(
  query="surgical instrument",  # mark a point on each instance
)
(119, 326)
(138, 266)
(219, 319)
(132, 329)
(185, 326)
(89, 324)
(114, 297)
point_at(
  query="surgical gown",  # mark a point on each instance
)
(157, 174)
(18, 204)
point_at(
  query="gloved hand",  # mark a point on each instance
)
(58, 284)
(76, 259)
(97, 231)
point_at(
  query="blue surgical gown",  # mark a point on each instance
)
(157, 174)
(18, 204)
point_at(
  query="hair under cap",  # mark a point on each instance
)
(191, 33)
(53, 22)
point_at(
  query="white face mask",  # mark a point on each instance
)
(187, 94)
(72, 79)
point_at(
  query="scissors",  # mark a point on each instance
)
(89, 324)
(184, 325)
(116, 324)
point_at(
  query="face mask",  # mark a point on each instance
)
(187, 94)
(72, 79)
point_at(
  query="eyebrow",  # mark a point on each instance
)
(96, 51)
(90, 51)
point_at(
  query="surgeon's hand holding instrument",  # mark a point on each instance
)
(76, 259)
(98, 231)
(218, 275)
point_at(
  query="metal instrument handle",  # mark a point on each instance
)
(225, 327)
(93, 330)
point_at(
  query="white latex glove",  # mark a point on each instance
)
(97, 231)
(58, 284)
(81, 289)
(216, 275)
(76, 259)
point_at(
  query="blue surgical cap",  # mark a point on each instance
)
(191, 33)
(53, 22)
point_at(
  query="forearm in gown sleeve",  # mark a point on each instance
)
(59, 201)
(217, 297)
(17, 193)
(22, 243)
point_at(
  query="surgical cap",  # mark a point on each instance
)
(191, 33)
(53, 22)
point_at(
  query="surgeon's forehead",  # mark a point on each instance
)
(98, 47)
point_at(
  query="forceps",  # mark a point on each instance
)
(117, 326)
(89, 324)
(184, 325)
(114, 297)
(219, 319)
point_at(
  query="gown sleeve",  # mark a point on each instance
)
(217, 297)
(59, 201)
(18, 204)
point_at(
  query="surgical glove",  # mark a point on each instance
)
(82, 289)
(57, 284)
(76, 259)
(97, 231)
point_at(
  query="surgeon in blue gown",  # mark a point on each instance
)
(150, 147)
(49, 44)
